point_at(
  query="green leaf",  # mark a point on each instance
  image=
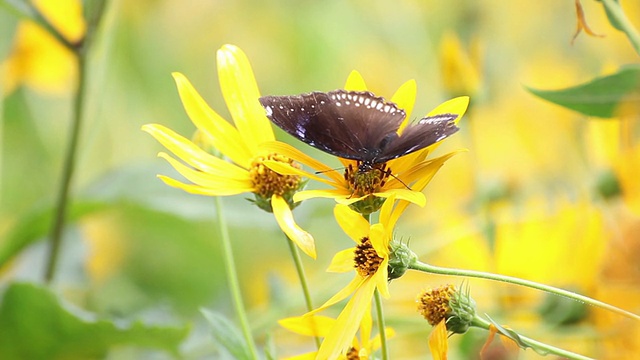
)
(601, 97)
(227, 334)
(35, 226)
(35, 324)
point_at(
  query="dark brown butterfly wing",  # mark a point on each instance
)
(348, 124)
(426, 131)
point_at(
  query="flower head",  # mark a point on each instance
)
(365, 189)
(212, 175)
(370, 259)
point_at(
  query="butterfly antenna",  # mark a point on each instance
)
(397, 178)
(326, 171)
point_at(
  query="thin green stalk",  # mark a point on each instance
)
(417, 265)
(295, 254)
(232, 278)
(540, 347)
(619, 20)
(381, 325)
(55, 234)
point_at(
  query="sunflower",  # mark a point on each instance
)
(370, 258)
(245, 172)
(404, 177)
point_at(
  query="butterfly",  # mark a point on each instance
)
(355, 125)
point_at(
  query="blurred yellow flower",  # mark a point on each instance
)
(392, 178)
(370, 257)
(213, 176)
(37, 59)
(321, 326)
(459, 69)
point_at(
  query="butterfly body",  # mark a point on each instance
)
(355, 125)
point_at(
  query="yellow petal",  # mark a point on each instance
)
(438, 341)
(223, 135)
(199, 190)
(376, 343)
(316, 325)
(206, 180)
(385, 210)
(415, 197)
(241, 94)
(355, 82)
(405, 98)
(423, 172)
(297, 155)
(340, 295)
(365, 328)
(330, 194)
(351, 222)
(456, 106)
(342, 261)
(347, 323)
(188, 152)
(379, 240)
(287, 169)
(381, 278)
(284, 217)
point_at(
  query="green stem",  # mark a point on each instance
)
(538, 346)
(619, 20)
(295, 254)
(417, 265)
(55, 234)
(232, 278)
(381, 325)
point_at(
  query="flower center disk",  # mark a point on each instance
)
(366, 259)
(268, 182)
(366, 180)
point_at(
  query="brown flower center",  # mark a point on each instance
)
(352, 354)
(366, 259)
(366, 180)
(434, 304)
(268, 182)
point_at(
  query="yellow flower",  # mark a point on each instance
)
(321, 326)
(37, 59)
(458, 68)
(213, 176)
(391, 178)
(370, 257)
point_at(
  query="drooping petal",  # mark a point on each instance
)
(381, 278)
(199, 190)
(347, 322)
(297, 155)
(241, 94)
(379, 240)
(351, 222)
(317, 325)
(329, 194)
(188, 152)
(284, 217)
(385, 210)
(438, 341)
(365, 329)
(405, 98)
(206, 180)
(355, 82)
(354, 285)
(223, 135)
(342, 261)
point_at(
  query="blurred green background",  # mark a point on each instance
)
(531, 198)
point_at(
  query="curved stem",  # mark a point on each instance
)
(232, 278)
(417, 265)
(534, 344)
(55, 234)
(381, 325)
(295, 254)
